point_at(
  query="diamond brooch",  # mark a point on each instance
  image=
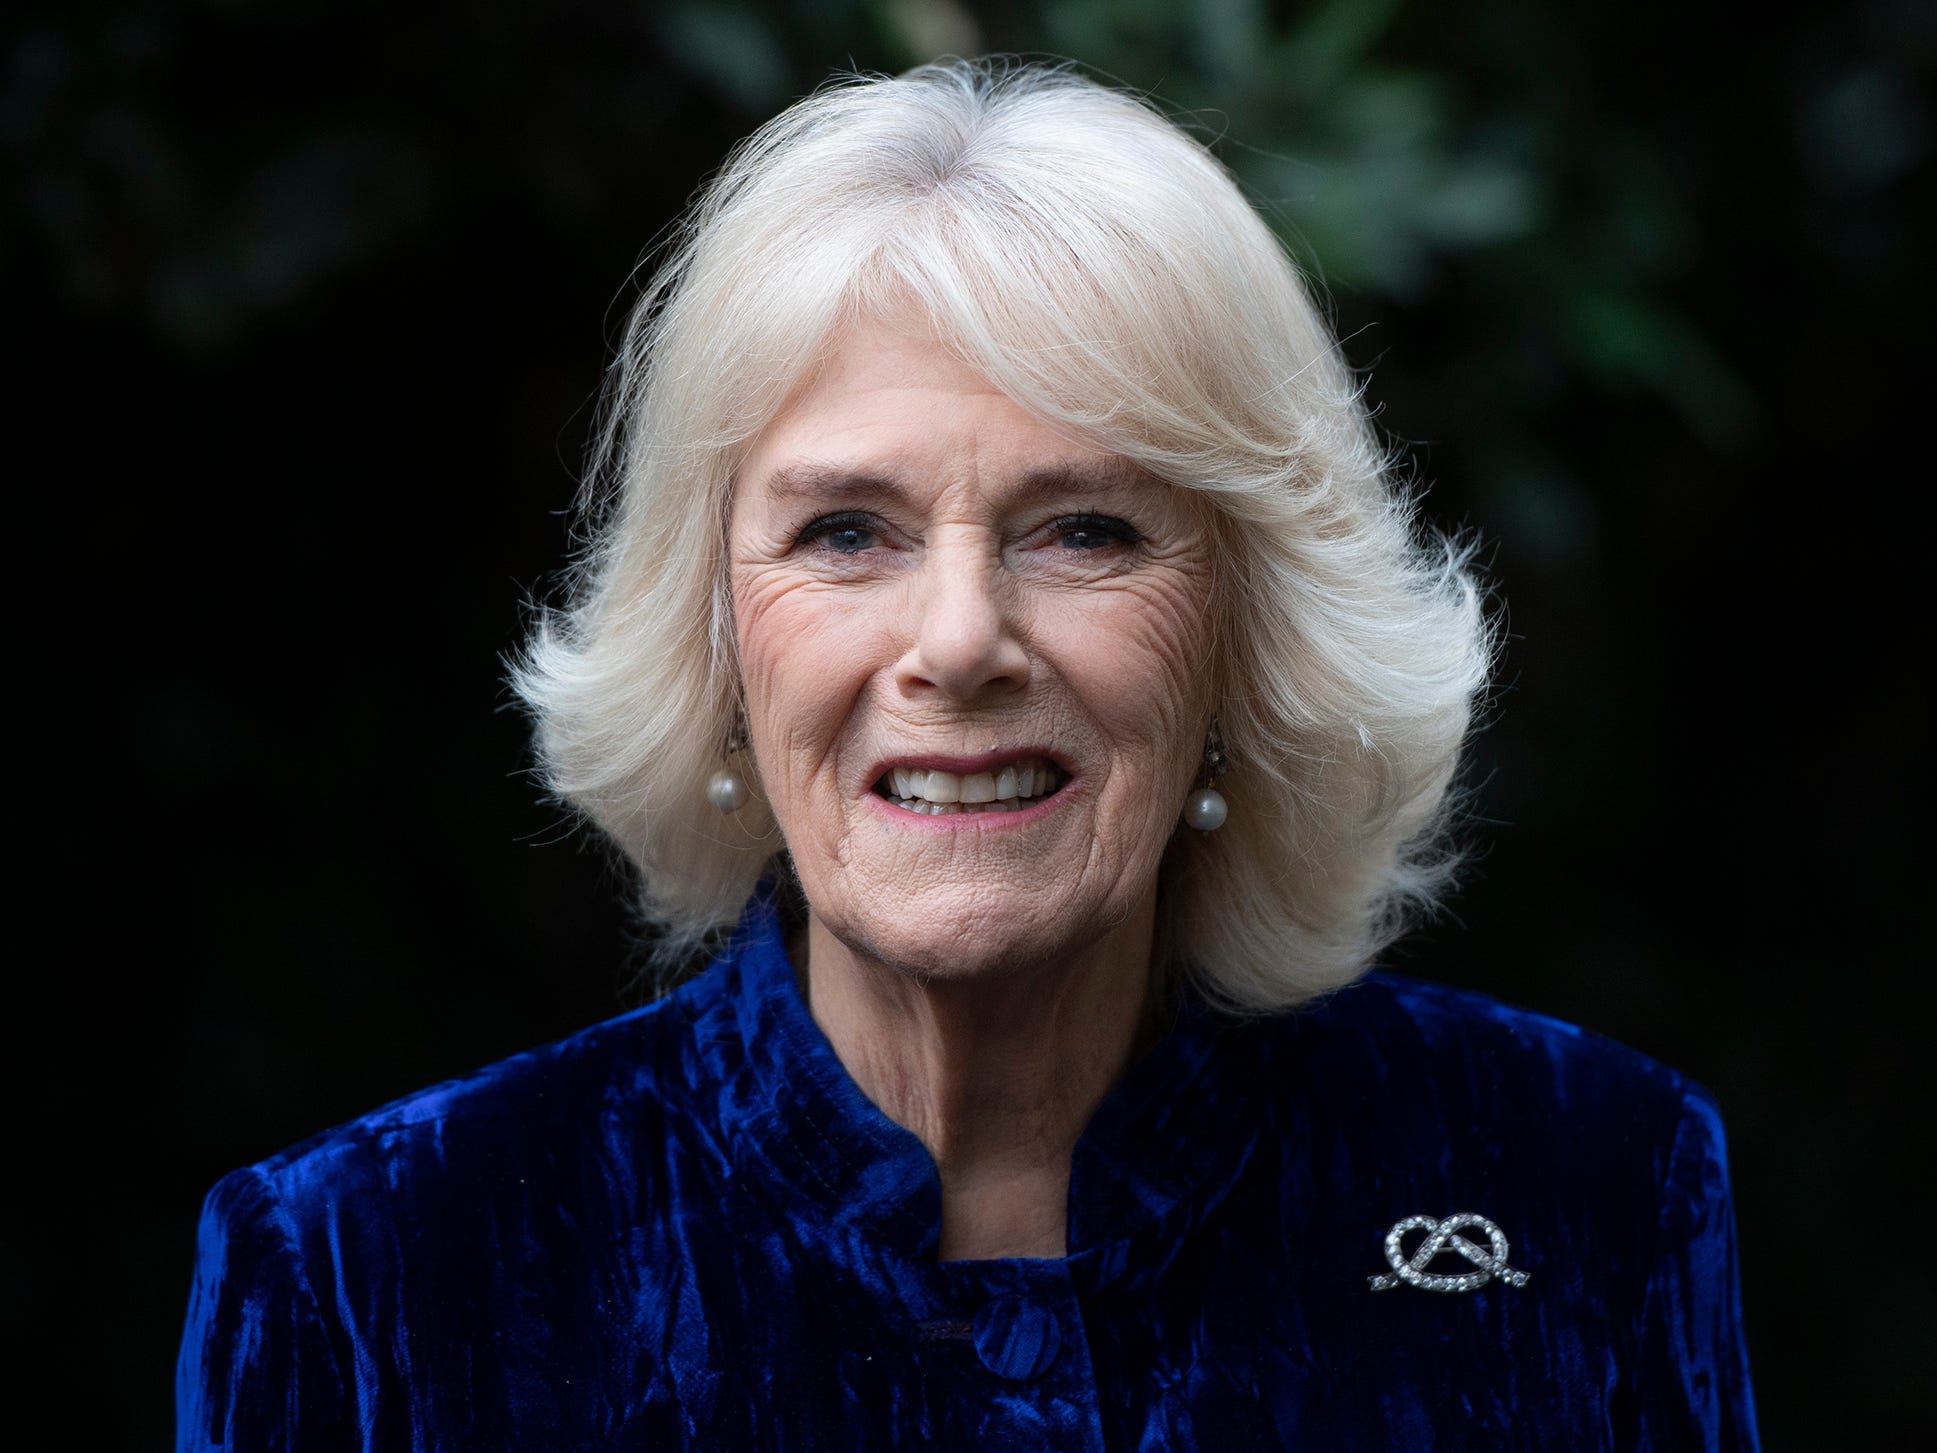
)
(1488, 1261)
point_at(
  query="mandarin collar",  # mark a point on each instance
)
(1163, 1147)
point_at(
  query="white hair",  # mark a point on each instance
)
(1101, 268)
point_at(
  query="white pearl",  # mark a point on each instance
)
(726, 791)
(1205, 810)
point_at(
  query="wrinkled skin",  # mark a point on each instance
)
(962, 603)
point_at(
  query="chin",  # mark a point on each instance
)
(950, 954)
(959, 934)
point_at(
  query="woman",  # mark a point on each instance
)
(1001, 631)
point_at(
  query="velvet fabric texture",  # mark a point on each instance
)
(688, 1228)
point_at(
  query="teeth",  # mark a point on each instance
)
(935, 792)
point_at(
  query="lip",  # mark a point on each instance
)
(963, 767)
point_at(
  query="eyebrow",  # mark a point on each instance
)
(820, 479)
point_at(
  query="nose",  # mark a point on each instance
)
(963, 641)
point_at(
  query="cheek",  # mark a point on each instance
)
(1142, 654)
(771, 633)
(803, 658)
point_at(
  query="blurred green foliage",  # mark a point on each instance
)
(1388, 142)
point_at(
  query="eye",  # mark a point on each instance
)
(1091, 532)
(847, 533)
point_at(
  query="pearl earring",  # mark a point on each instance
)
(726, 789)
(1205, 809)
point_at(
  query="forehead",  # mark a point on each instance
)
(889, 407)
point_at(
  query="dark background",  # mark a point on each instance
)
(307, 303)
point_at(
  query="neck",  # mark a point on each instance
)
(996, 1072)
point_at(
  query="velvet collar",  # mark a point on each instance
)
(1163, 1147)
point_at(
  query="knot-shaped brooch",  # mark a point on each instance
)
(1488, 1261)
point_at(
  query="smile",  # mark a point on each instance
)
(936, 793)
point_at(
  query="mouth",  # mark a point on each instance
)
(1011, 786)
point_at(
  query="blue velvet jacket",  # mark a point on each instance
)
(688, 1228)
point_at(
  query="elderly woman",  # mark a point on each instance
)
(1001, 634)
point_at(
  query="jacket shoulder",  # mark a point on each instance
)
(526, 1117)
(1459, 1037)
(1607, 1168)
(363, 1273)
(1453, 1094)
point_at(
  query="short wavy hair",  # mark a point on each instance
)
(1099, 266)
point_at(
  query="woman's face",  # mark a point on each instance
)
(976, 655)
